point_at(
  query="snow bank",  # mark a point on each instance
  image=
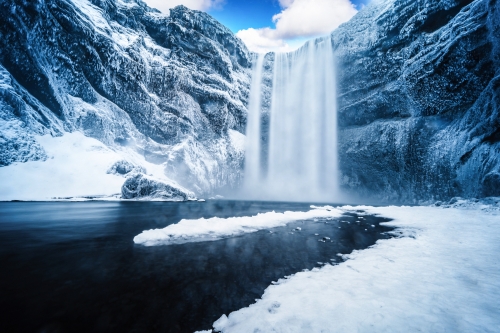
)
(444, 278)
(217, 228)
(76, 166)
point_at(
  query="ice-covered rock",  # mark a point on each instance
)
(419, 99)
(124, 168)
(140, 186)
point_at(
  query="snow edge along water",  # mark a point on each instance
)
(442, 278)
(215, 228)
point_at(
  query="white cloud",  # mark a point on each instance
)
(165, 5)
(262, 40)
(298, 19)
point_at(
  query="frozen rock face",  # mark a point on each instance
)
(140, 186)
(124, 168)
(170, 87)
(419, 99)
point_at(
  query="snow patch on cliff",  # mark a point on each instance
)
(237, 140)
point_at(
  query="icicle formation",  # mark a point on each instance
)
(302, 161)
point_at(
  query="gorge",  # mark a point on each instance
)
(416, 81)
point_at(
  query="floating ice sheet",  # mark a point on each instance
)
(217, 228)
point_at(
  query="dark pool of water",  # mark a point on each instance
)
(73, 267)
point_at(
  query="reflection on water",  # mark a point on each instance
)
(72, 267)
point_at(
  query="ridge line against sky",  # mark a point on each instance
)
(273, 25)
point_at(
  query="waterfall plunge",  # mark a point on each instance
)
(302, 140)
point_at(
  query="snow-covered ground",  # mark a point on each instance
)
(76, 166)
(216, 228)
(441, 275)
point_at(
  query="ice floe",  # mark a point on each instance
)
(216, 228)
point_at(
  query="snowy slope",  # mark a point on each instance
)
(76, 166)
(170, 88)
(441, 276)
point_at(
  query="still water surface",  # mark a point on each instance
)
(73, 267)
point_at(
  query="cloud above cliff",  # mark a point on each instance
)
(297, 20)
(165, 5)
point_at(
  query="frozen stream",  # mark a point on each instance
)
(73, 267)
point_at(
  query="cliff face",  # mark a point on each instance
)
(172, 88)
(419, 99)
(418, 91)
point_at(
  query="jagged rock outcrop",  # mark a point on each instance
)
(173, 88)
(419, 99)
(140, 186)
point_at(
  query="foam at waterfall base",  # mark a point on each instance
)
(441, 275)
(216, 228)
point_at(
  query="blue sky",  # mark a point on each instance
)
(273, 25)
(243, 14)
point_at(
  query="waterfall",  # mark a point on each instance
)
(302, 141)
(253, 150)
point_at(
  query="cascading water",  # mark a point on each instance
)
(253, 150)
(302, 141)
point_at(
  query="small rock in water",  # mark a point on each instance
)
(298, 229)
(325, 238)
